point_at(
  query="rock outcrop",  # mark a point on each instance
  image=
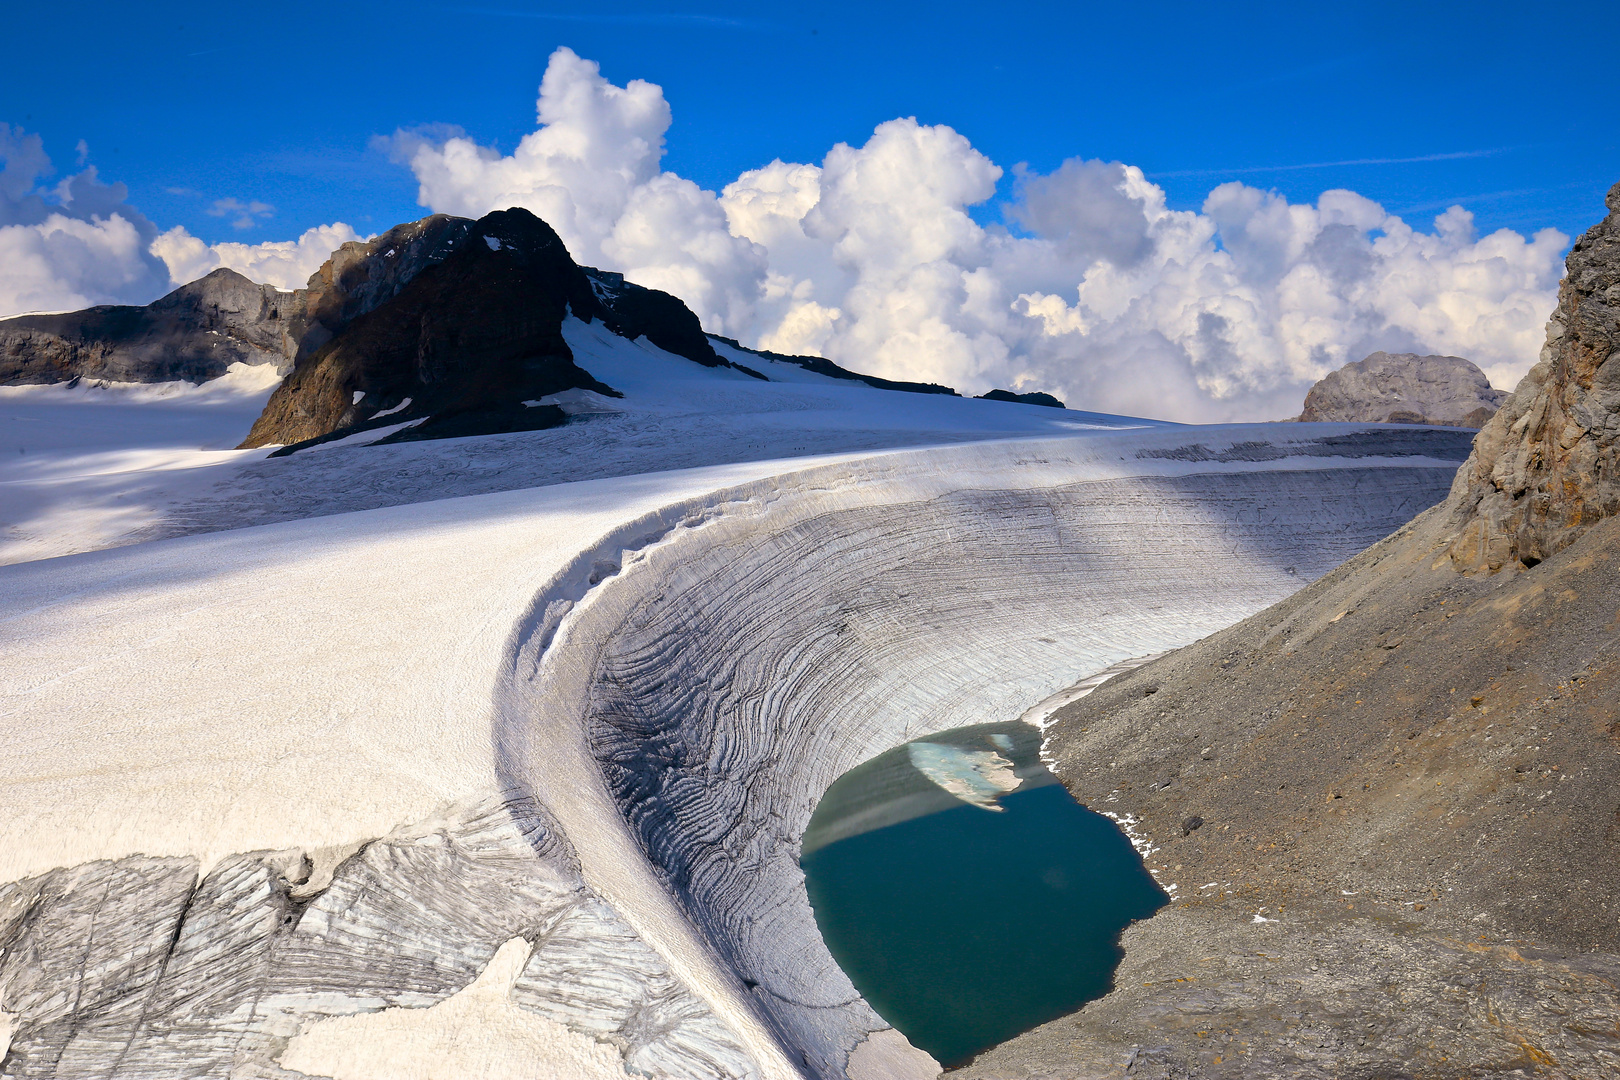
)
(364, 274)
(458, 349)
(1034, 398)
(194, 333)
(1404, 388)
(1545, 468)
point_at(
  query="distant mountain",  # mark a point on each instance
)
(194, 333)
(197, 331)
(1404, 388)
(1034, 398)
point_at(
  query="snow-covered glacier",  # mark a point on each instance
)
(515, 780)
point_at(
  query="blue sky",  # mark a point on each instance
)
(1187, 211)
(1497, 106)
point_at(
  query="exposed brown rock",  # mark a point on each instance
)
(460, 346)
(452, 326)
(1404, 388)
(1545, 466)
(364, 274)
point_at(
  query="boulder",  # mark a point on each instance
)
(1404, 388)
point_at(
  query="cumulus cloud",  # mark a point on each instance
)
(592, 171)
(71, 245)
(286, 264)
(78, 242)
(1095, 290)
(245, 215)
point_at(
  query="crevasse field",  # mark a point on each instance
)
(491, 756)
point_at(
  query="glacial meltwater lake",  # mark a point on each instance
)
(965, 893)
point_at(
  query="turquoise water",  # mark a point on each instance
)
(965, 893)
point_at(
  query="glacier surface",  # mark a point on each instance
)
(515, 737)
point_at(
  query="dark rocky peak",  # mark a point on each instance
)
(1404, 388)
(1545, 468)
(1033, 398)
(458, 349)
(194, 333)
(822, 366)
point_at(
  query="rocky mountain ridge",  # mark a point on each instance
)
(448, 327)
(369, 343)
(194, 333)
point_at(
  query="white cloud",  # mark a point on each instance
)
(1095, 290)
(1102, 295)
(286, 264)
(245, 214)
(72, 245)
(591, 170)
(79, 243)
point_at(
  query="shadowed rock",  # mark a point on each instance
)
(822, 366)
(1036, 398)
(454, 328)
(462, 345)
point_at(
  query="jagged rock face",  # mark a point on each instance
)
(462, 345)
(364, 274)
(1404, 388)
(194, 333)
(1544, 468)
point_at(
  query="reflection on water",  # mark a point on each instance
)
(965, 893)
